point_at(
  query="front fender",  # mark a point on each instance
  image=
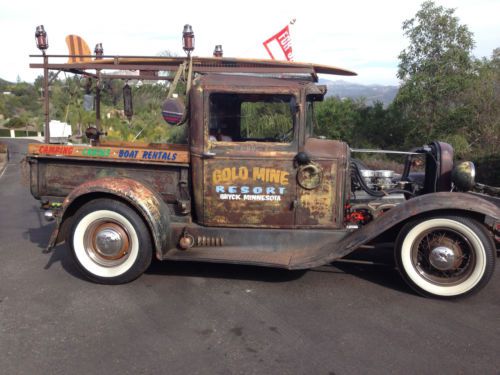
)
(425, 204)
(140, 196)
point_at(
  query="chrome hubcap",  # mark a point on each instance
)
(108, 242)
(442, 258)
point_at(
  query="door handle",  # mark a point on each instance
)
(208, 155)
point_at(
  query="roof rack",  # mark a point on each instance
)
(150, 66)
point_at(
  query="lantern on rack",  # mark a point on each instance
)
(99, 51)
(218, 51)
(188, 39)
(127, 101)
(42, 41)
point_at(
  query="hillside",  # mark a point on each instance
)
(371, 93)
(4, 84)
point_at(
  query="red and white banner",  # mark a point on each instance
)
(279, 46)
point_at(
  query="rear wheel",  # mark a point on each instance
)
(445, 256)
(110, 242)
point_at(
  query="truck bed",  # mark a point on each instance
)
(55, 170)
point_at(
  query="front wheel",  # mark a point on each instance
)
(110, 242)
(446, 256)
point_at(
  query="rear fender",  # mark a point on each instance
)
(138, 195)
(425, 204)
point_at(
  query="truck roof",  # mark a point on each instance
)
(232, 80)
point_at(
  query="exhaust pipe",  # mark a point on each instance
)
(49, 215)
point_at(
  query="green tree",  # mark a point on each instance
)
(435, 69)
(376, 128)
(484, 97)
(337, 118)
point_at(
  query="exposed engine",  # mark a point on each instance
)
(374, 192)
(380, 180)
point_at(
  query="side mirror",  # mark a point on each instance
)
(174, 111)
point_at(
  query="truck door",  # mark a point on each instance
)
(248, 160)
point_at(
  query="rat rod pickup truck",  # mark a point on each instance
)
(245, 191)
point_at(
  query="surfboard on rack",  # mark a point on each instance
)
(201, 65)
(78, 49)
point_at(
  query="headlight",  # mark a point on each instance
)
(464, 175)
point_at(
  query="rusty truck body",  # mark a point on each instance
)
(282, 197)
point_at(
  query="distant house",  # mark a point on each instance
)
(59, 131)
(135, 82)
(7, 93)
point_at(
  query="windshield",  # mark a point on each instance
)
(310, 118)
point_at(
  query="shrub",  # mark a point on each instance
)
(488, 170)
(15, 122)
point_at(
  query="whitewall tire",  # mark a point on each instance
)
(445, 256)
(110, 242)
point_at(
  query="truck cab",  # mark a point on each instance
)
(247, 146)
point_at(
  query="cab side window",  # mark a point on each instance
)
(252, 117)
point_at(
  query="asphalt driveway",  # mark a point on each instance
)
(193, 318)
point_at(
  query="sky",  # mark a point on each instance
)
(360, 35)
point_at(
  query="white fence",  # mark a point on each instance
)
(38, 135)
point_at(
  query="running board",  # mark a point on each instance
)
(236, 255)
(281, 248)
